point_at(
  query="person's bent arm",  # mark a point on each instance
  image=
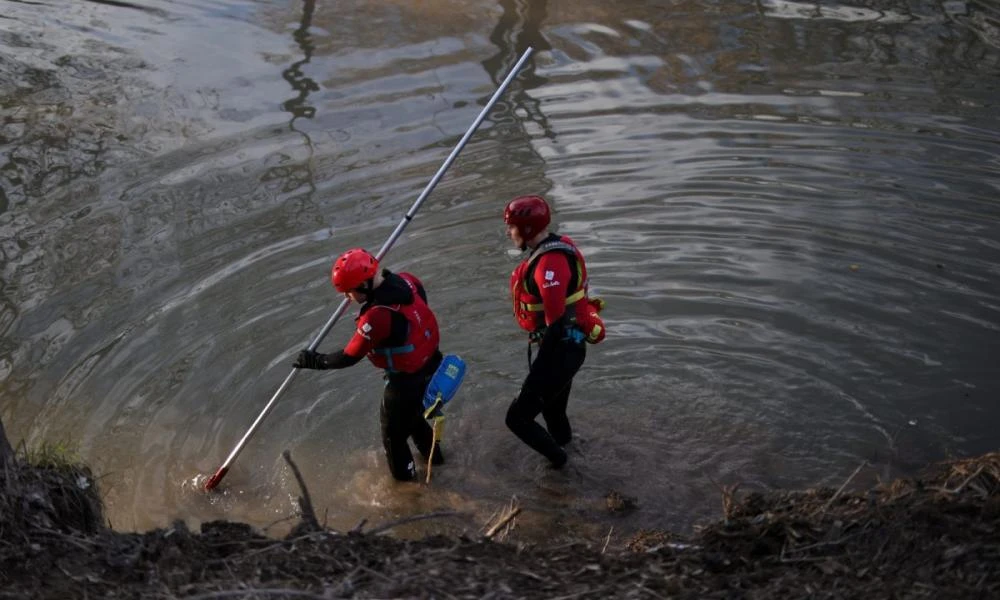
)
(552, 277)
(371, 329)
(310, 359)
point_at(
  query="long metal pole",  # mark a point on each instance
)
(215, 479)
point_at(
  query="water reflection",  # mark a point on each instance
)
(722, 168)
(294, 75)
(519, 27)
(787, 9)
(296, 175)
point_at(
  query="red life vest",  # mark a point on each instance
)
(422, 336)
(528, 308)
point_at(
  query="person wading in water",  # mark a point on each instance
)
(549, 292)
(399, 333)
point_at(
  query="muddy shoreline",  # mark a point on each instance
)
(935, 536)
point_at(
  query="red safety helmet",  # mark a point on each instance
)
(529, 214)
(352, 269)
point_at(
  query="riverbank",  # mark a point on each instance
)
(935, 536)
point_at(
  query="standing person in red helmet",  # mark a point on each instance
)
(399, 333)
(549, 291)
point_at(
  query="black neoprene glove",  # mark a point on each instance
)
(310, 359)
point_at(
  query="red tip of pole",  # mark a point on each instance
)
(215, 479)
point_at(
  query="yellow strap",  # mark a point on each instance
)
(571, 299)
(438, 429)
(433, 407)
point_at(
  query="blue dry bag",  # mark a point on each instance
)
(443, 384)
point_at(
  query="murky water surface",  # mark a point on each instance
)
(791, 209)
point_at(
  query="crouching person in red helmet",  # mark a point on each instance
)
(397, 331)
(549, 290)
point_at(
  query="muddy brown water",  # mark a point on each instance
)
(790, 208)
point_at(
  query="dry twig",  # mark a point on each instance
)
(508, 515)
(250, 593)
(841, 488)
(607, 540)
(728, 497)
(361, 525)
(434, 515)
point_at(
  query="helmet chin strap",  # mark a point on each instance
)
(528, 238)
(367, 287)
(525, 233)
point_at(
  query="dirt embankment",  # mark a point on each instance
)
(932, 537)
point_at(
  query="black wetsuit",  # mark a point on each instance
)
(546, 388)
(402, 410)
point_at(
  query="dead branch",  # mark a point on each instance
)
(305, 502)
(268, 527)
(785, 550)
(359, 526)
(728, 499)
(250, 592)
(434, 515)
(841, 488)
(961, 486)
(6, 451)
(728, 496)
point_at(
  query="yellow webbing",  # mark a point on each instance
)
(571, 299)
